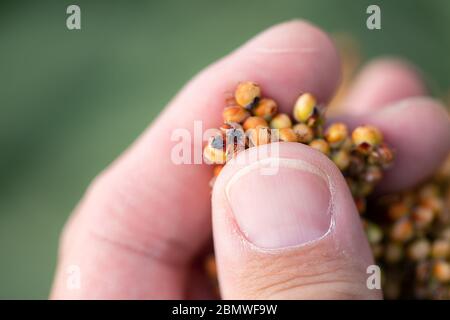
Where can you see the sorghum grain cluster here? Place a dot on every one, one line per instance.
(411, 239)
(251, 120)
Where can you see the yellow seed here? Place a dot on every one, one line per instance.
(214, 155)
(235, 114)
(287, 135)
(441, 271)
(336, 133)
(304, 107)
(321, 145)
(253, 122)
(247, 93)
(342, 159)
(305, 134)
(280, 121)
(266, 108)
(259, 136)
(367, 135)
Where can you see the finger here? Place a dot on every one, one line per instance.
(418, 129)
(148, 217)
(292, 234)
(382, 82)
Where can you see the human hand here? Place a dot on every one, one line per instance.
(145, 223)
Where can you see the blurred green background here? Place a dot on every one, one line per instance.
(71, 101)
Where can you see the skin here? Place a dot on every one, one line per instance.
(140, 230)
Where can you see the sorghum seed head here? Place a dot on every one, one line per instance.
(441, 271)
(402, 230)
(287, 135)
(342, 159)
(305, 134)
(366, 137)
(266, 108)
(418, 250)
(440, 249)
(321, 145)
(304, 107)
(258, 136)
(253, 122)
(336, 133)
(281, 121)
(217, 169)
(247, 94)
(235, 114)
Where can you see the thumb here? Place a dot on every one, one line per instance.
(286, 227)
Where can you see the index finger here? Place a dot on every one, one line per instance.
(154, 215)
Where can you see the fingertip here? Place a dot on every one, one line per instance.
(419, 131)
(289, 58)
(384, 81)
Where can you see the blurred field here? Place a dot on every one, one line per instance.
(71, 101)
